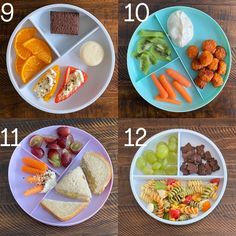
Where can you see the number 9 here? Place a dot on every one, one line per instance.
(7, 13)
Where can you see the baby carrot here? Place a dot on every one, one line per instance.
(167, 86)
(178, 77)
(169, 100)
(34, 163)
(34, 190)
(35, 179)
(182, 91)
(31, 170)
(162, 91)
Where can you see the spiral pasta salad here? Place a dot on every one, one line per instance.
(177, 200)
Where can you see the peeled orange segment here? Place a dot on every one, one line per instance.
(18, 65)
(22, 36)
(31, 67)
(40, 49)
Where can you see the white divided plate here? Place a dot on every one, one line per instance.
(137, 179)
(65, 51)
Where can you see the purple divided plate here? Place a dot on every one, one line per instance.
(31, 205)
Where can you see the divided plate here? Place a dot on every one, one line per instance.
(180, 62)
(31, 205)
(137, 179)
(65, 50)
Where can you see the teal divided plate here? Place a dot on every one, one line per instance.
(205, 27)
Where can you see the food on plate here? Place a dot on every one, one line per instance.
(209, 45)
(97, 171)
(180, 28)
(47, 84)
(91, 53)
(151, 47)
(33, 190)
(197, 160)
(168, 100)
(162, 160)
(64, 22)
(74, 185)
(178, 200)
(74, 79)
(167, 86)
(40, 49)
(162, 92)
(36, 141)
(182, 91)
(30, 68)
(34, 163)
(217, 80)
(62, 210)
(38, 152)
(210, 64)
(31, 170)
(178, 77)
(206, 58)
(19, 64)
(22, 36)
(220, 53)
(192, 51)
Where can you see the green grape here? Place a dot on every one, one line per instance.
(173, 139)
(164, 164)
(172, 146)
(147, 170)
(172, 158)
(159, 172)
(149, 156)
(140, 163)
(171, 170)
(156, 166)
(162, 150)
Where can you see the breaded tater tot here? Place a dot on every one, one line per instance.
(205, 75)
(220, 53)
(209, 45)
(192, 51)
(214, 64)
(196, 65)
(206, 58)
(217, 80)
(222, 68)
(200, 83)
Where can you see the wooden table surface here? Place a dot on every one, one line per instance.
(131, 104)
(134, 221)
(12, 105)
(14, 221)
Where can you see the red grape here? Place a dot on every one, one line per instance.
(38, 152)
(66, 158)
(36, 141)
(63, 131)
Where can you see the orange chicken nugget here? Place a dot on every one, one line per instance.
(196, 65)
(220, 53)
(205, 75)
(217, 80)
(200, 83)
(222, 68)
(214, 64)
(206, 58)
(192, 51)
(209, 45)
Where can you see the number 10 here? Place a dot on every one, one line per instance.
(129, 7)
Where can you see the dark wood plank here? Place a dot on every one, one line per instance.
(13, 220)
(12, 105)
(131, 104)
(134, 221)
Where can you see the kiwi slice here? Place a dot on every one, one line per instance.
(151, 33)
(144, 63)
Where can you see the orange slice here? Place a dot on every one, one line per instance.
(22, 36)
(19, 64)
(30, 68)
(40, 49)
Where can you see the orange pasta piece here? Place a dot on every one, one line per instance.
(178, 77)
(34, 190)
(182, 91)
(167, 86)
(34, 163)
(30, 170)
(162, 91)
(169, 100)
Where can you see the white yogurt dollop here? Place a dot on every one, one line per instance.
(180, 28)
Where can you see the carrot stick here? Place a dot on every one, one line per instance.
(162, 92)
(34, 163)
(167, 86)
(31, 170)
(34, 190)
(182, 91)
(33, 179)
(169, 100)
(178, 77)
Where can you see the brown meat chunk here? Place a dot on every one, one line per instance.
(205, 75)
(196, 65)
(192, 168)
(201, 169)
(200, 83)
(206, 58)
(200, 150)
(207, 156)
(217, 80)
(222, 68)
(214, 64)
(220, 53)
(209, 45)
(188, 147)
(192, 51)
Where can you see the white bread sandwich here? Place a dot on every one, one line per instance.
(63, 211)
(74, 185)
(97, 170)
